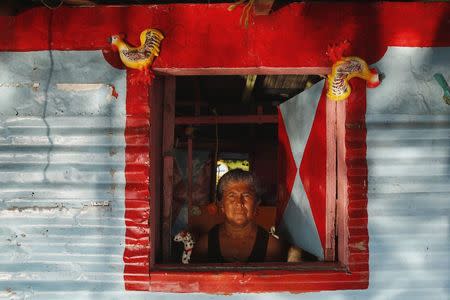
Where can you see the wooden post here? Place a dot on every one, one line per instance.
(331, 192)
(168, 141)
(189, 171)
(342, 200)
(156, 115)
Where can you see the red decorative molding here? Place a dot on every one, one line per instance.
(357, 235)
(137, 209)
(295, 36)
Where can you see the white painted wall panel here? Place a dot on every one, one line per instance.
(408, 156)
(61, 173)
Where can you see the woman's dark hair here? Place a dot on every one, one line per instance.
(237, 175)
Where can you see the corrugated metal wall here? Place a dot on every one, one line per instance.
(61, 173)
(408, 158)
(62, 180)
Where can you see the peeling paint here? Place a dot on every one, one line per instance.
(79, 87)
(33, 85)
(100, 203)
(82, 87)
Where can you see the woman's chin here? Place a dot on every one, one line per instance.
(241, 222)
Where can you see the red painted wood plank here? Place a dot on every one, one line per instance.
(310, 27)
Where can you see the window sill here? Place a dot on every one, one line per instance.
(249, 267)
(254, 278)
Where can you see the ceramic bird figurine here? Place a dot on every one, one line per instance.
(140, 57)
(188, 244)
(344, 70)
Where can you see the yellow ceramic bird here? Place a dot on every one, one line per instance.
(139, 57)
(344, 70)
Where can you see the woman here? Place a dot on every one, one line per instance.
(238, 238)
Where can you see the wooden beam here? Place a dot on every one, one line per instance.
(242, 71)
(263, 7)
(211, 120)
(168, 140)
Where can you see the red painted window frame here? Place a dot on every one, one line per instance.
(351, 270)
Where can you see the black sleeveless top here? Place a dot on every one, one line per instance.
(258, 253)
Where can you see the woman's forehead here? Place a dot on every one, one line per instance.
(239, 185)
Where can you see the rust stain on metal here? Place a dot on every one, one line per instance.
(113, 91)
(79, 87)
(10, 292)
(112, 152)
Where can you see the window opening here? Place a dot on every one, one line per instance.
(221, 124)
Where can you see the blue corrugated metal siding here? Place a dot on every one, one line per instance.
(61, 173)
(62, 181)
(408, 157)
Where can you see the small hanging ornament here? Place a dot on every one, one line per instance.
(245, 16)
(141, 57)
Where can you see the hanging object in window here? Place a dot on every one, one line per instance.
(188, 244)
(302, 172)
(141, 57)
(345, 69)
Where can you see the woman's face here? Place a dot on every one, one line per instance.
(239, 202)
